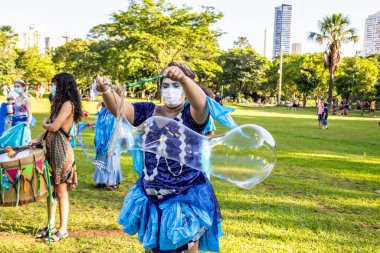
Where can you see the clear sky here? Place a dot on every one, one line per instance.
(241, 18)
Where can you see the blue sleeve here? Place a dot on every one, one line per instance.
(143, 111)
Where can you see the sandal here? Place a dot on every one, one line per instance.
(44, 232)
(100, 186)
(59, 236)
(113, 187)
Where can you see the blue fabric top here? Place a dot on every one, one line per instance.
(177, 178)
(103, 130)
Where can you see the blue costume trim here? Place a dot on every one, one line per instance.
(3, 117)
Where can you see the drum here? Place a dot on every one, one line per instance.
(23, 178)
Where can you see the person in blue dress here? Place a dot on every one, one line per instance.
(108, 171)
(19, 133)
(172, 207)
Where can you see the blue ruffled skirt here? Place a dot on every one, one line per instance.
(176, 220)
(108, 170)
(15, 136)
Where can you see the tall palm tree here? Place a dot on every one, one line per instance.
(334, 30)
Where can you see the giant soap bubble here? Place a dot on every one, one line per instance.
(243, 156)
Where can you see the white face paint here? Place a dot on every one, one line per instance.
(172, 94)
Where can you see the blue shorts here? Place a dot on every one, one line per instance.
(324, 122)
(320, 117)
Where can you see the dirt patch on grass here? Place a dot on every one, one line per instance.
(8, 236)
(72, 234)
(97, 233)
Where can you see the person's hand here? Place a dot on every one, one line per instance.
(34, 141)
(102, 83)
(174, 73)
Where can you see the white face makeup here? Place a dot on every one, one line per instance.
(172, 93)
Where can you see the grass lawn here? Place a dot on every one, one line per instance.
(319, 198)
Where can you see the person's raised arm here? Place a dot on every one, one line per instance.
(194, 94)
(61, 118)
(112, 100)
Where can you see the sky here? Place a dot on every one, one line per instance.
(248, 18)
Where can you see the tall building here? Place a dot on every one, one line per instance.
(372, 35)
(282, 24)
(31, 38)
(296, 48)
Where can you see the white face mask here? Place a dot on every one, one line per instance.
(53, 89)
(18, 90)
(172, 96)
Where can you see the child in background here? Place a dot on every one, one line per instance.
(324, 116)
(320, 111)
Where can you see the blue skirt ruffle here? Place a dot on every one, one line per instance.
(18, 135)
(108, 171)
(176, 220)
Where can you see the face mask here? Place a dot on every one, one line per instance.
(18, 90)
(53, 89)
(172, 96)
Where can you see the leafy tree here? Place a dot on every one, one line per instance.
(35, 67)
(334, 30)
(8, 71)
(243, 71)
(81, 58)
(357, 76)
(311, 76)
(242, 43)
(150, 34)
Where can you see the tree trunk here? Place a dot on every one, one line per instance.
(329, 100)
(304, 100)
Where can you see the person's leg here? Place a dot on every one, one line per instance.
(53, 211)
(194, 249)
(63, 198)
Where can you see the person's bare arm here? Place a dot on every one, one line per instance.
(113, 101)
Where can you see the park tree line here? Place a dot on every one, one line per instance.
(139, 42)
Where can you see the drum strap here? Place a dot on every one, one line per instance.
(50, 198)
(38, 175)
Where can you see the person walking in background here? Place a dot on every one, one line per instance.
(372, 108)
(218, 98)
(320, 111)
(295, 105)
(324, 116)
(5, 90)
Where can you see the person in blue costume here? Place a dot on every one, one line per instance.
(108, 171)
(172, 207)
(19, 133)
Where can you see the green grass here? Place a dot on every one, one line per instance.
(319, 198)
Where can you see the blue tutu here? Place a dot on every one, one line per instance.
(176, 220)
(15, 136)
